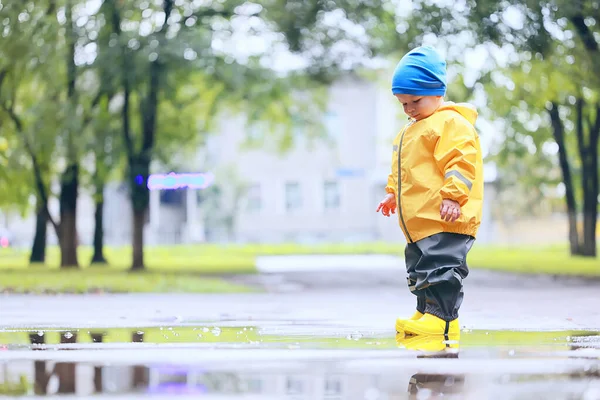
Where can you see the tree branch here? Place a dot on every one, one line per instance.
(51, 7)
(581, 145)
(39, 182)
(115, 19)
(585, 34)
(150, 104)
(595, 131)
(88, 117)
(558, 131)
(168, 9)
(3, 74)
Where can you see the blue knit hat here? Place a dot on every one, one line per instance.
(421, 72)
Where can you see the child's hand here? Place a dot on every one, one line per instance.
(450, 210)
(387, 205)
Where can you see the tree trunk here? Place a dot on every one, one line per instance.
(591, 187)
(139, 217)
(139, 161)
(137, 175)
(68, 219)
(98, 257)
(66, 371)
(590, 202)
(70, 177)
(38, 250)
(98, 370)
(559, 136)
(140, 170)
(589, 155)
(140, 200)
(41, 376)
(141, 376)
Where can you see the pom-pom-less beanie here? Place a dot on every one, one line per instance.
(421, 72)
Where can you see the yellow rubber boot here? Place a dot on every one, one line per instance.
(431, 325)
(400, 322)
(429, 343)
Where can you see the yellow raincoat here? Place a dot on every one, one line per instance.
(439, 157)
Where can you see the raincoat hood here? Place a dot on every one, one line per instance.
(468, 111)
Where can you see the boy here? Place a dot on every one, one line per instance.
(436, 185)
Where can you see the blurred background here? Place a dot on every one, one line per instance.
(187, 128)
(213, 146)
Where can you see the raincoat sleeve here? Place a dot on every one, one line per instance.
(392, 182)
(456, 156)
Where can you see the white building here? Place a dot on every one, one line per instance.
(322, 191)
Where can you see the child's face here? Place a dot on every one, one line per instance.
(419, 107)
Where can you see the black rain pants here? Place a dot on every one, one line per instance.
(436, 267)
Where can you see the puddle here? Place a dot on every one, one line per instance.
(306, 336)
(297, 361)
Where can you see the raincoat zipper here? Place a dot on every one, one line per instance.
(400, 182)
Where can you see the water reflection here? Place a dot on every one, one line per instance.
(299, 379)
(316, 380)
(424, 385)
(427, 386)
(62, 375)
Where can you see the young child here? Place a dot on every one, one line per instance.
(436, 185)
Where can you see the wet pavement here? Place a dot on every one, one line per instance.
(305, 338)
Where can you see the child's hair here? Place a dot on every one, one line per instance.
(421, 72)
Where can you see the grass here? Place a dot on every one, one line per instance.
(551, 260)
(176, 259)
(112, 281)
(201, 268)
(169, 270)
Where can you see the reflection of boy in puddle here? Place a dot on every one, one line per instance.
(431, 386)
(436, 185)
(426, 386)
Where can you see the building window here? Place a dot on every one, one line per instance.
(293, 197)
(253, 199)
(331, 195)
(173, 197)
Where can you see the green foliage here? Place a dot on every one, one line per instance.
(333, 35)
(30, 109)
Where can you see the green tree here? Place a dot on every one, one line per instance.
(40, 99)
(154, 45)
(69, 189)
(29, 110)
